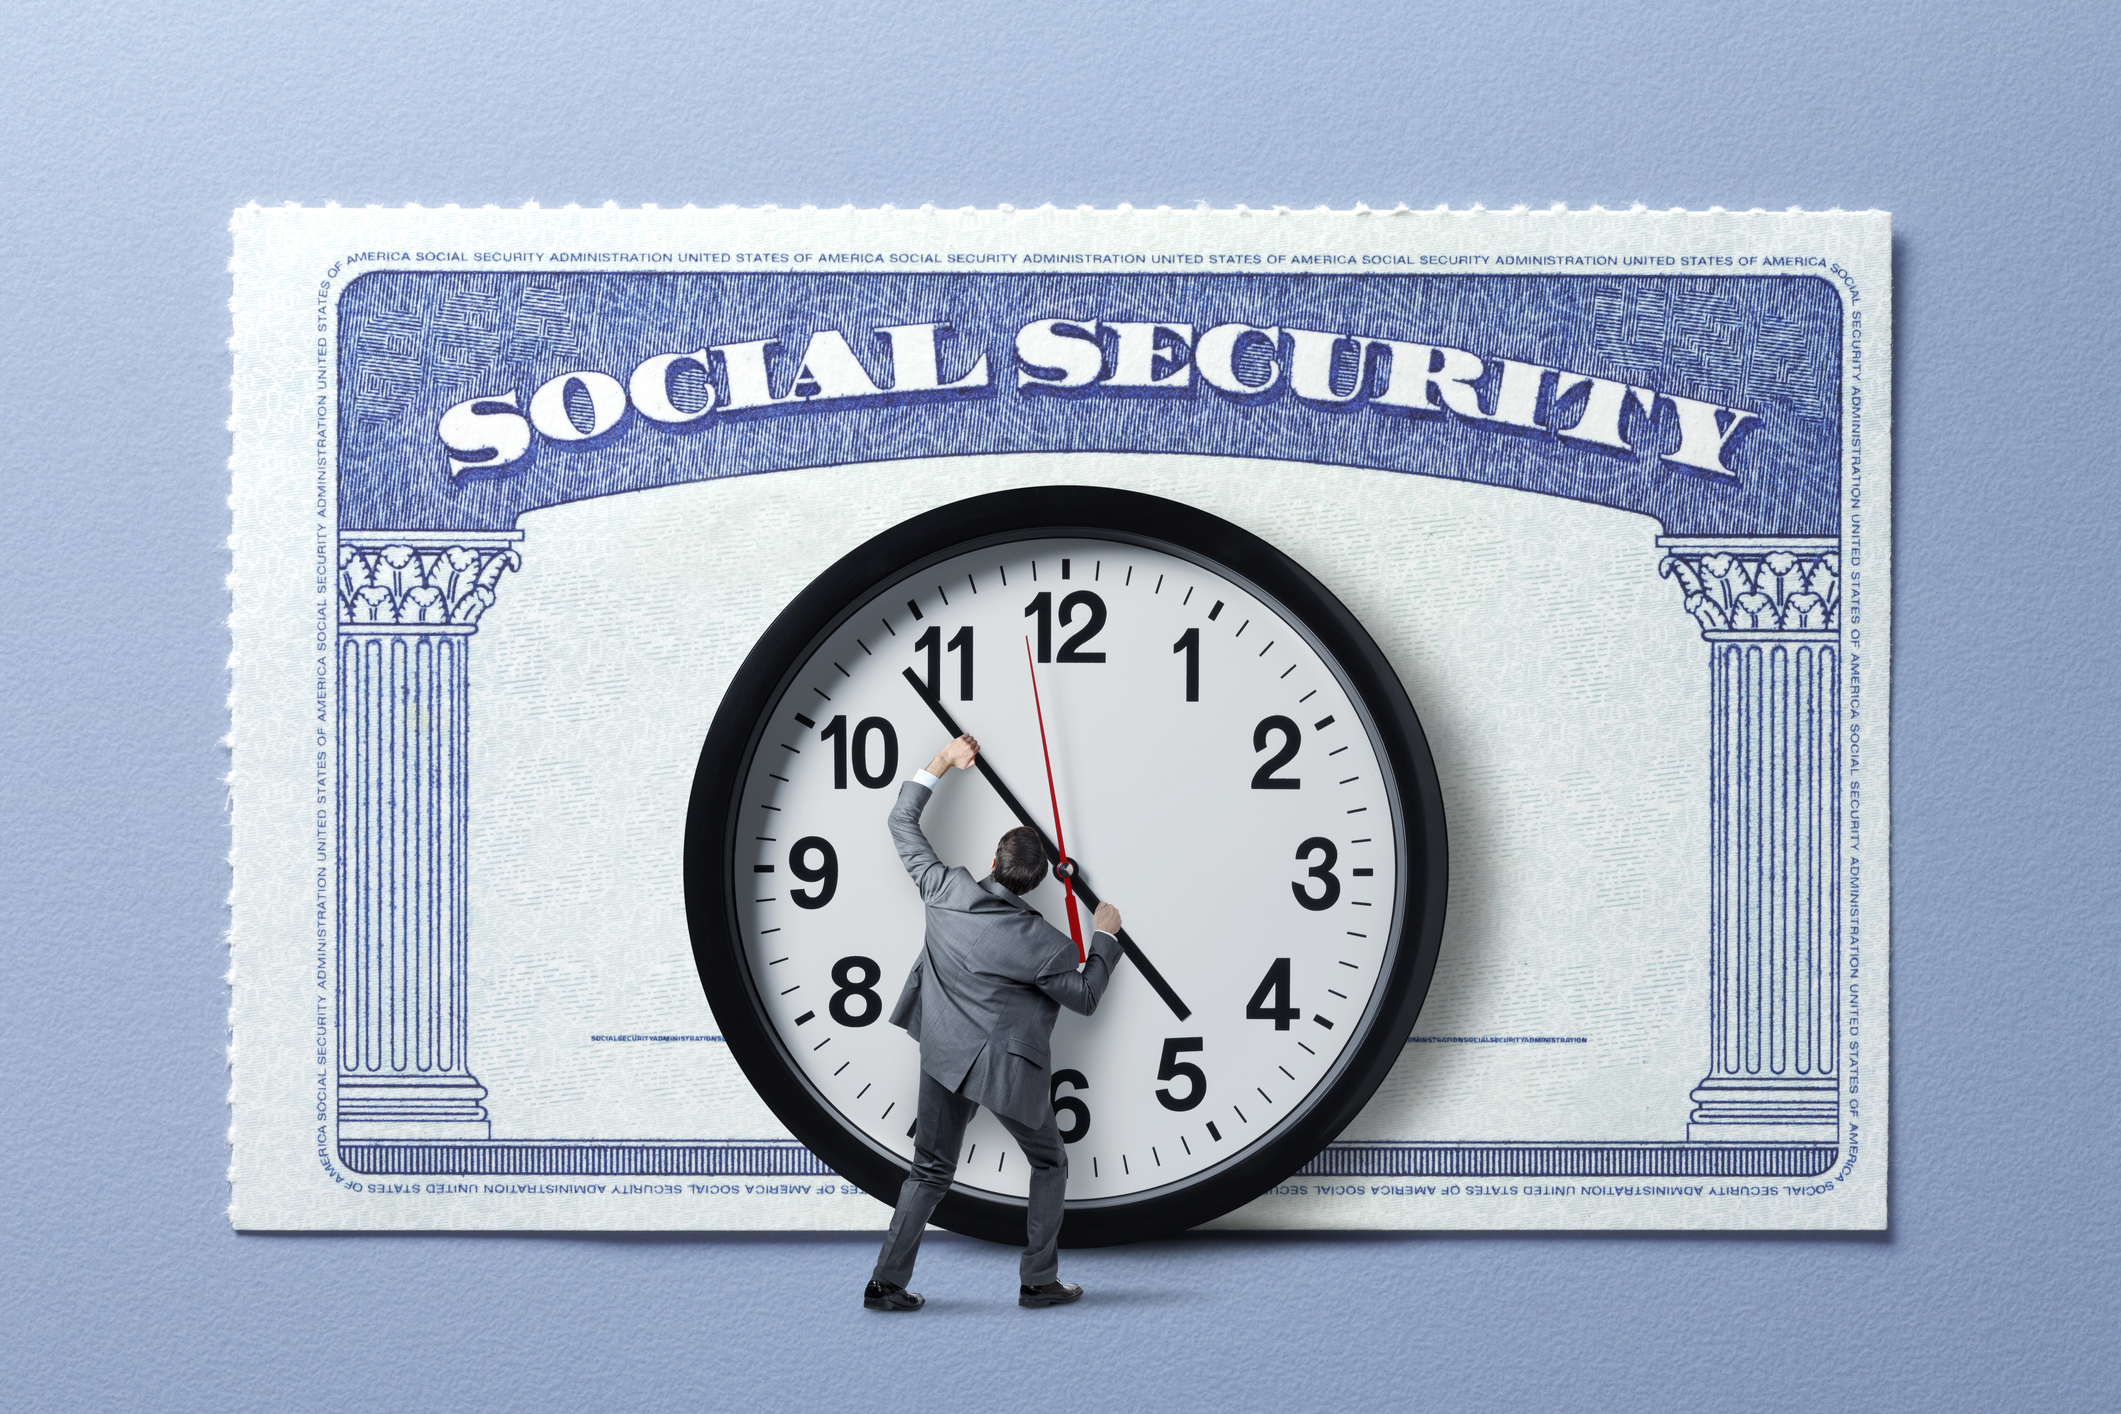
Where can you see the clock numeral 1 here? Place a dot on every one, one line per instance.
(1292, 737)
(836, 732)
(1172, 1068)
(931, 643)
(1322, 871)
(1070, 1105)
(825, 874)
(1189, 644)
(1271, 1001)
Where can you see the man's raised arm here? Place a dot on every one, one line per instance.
(914, 851)
(1080, 991)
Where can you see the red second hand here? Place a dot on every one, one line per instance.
(1075, 928)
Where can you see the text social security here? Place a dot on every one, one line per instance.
(486, 436)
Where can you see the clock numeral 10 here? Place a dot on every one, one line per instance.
(836, 732)
(1070, 1105)
(1271, 1001)
(1172, 1068)
(1041, 608)
(931, 643)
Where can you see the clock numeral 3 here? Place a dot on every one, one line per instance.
(1292, 737)
(1271, 1001)
(1070, 1105)
(825, 874)
(1172, 1068)
(1322, 871)
(836, 732)
(1041, 608)
(843, 973)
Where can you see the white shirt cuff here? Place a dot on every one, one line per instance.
(922, 778)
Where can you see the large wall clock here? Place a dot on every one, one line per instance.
(1237, 768)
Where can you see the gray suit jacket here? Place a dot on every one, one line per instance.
(984, 995)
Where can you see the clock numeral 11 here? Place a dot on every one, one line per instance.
(931, 643)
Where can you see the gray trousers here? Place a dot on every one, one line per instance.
(938, 1134)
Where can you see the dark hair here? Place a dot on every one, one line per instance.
(1020, 860)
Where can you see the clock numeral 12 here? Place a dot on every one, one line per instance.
(1271, 1001)
(1041, 608)
(1172, 1068)
(1070, 1105)
(836, 732)
(931, 643)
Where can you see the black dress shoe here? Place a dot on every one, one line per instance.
(888, 1296)
(1053, 1293)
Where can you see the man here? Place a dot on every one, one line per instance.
(982, 1000)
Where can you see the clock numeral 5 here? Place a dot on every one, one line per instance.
(836, 732)
(1172, 1068)
(1322, 871)
(1291, 738)
(1271, 1001)
(825, 873)
(1070, 1106)
(1041, 608)
(931, 643)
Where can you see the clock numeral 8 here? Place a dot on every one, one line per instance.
(1322, 871)
(825, 874)
(1172, 1068)
(843, 973)
(1070, 1106)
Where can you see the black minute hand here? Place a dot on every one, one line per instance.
(1082, 885)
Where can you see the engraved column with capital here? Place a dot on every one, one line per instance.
(1771, 612)
(409, 602)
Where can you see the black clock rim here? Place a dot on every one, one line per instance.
(826, 603)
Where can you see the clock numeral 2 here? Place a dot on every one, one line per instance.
(825, 874)
(836, 732)
(931, 643)
(1172, 1068)
(1189, 644)
(1292, 737)
(1322, 871)
(1070, 1105)
(1271, 1001)
(1041, 608)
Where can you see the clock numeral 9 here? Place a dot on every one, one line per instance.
(1070, 1106)
(825, 873)
(931, 643)
(1172, 1068)
(836, 732)
(1041, 608)
(1271, 1001)
(1322, 871)
(843, 973)
(1292, 737)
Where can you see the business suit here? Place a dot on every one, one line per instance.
(982, 1000)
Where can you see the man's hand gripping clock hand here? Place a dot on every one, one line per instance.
(958, 751)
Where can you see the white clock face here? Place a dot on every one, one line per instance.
(1217, 782)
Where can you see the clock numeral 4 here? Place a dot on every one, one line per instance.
(931, 643)
(836, 732)
(1077, 1111)
(1041, 608)
(1172, 1068)
(825, 873)
(856, 977)
(1292, 737)
(1271, 1001)
(1329, 892)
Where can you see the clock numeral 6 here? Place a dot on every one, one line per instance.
(1322, 871)
(836, 732)
(1292, 737)
(1271, 1001)
(844, 973)
(1172, 1068)
(825, 873)
(1070, 1105)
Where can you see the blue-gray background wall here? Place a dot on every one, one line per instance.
(129, 133)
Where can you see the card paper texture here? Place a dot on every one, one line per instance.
(1610, 489)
